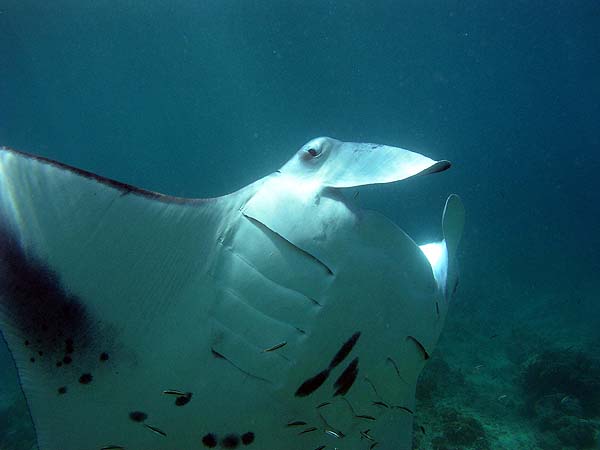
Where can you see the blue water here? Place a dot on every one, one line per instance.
(200, 98)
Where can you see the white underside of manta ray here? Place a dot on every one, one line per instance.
(277, 317)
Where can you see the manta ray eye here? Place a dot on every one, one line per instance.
(313, 152)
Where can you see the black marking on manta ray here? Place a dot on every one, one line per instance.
(69, 345)
(138, 416)
(262, 226)
(419, 346)
(230, 441)
(440, 166)
(183, 399)
(210, 440)
(86, 378)
(248, 438)
(347, 378)
(40, 306)
(124, 188)
(312, 384)
(218, 355)
(344, 350)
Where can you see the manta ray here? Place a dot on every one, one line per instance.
(281, 316)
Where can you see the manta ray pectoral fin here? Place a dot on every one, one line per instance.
(453, 222)
(100, 285)
(442, 255)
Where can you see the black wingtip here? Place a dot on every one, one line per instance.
(439, 166)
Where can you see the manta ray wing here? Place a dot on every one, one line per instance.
(142, 321)
(106, 294)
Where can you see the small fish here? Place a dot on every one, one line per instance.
(378, 403)
(394, 364)
(403, 408)
(361, 416)
(375, 444)
(336, 434)
(174, 392)
(502, 397)
(355, 196)
(296, 423)
(320, 405)
(308, 430)
(275, 347)
(422, 428)
(493, 336)
(420, 346)
(365, 434)
(479, 366)
(320, 447)
(155, 430)
(216, 354)
(564, 399)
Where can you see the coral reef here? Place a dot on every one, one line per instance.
(565, 372)
(458, 431)
(462, 431)
(438, 380)
(563, 395)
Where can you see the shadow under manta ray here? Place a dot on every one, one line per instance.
(276, 317)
